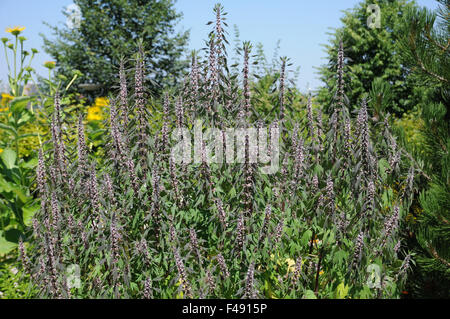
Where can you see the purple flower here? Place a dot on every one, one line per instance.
(123, 94)
(147, 289)
(81, 147)
(279, 231)
(282, 88)
(179, 110)
(194, 243)
(223, 266)
(210, 281)
(250, 292)
(330, 194)
(265, 226)
(182, 272)
(310, 118)
(358, 250)
(114, 237)
(24, 258)
(221, 211)
(40, 176)
(240, 232)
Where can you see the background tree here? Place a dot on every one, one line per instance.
(109, 29)
(371, 53)
(425, 52)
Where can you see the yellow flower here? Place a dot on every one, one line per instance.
(101, 101)
(49, 64)
(94, 113)
(5, 99)
(321, 272)
(1, 150)
(16, 30)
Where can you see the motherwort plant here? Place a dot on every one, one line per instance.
(145, 225)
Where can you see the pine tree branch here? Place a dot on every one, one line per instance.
(428, 28)
(424, 69)
(444, 220)
(435, 255)
(440, 46)
(417, 165)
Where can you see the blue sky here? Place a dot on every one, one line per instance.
(301, 25)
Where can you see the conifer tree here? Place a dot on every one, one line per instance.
(425, 51)
(372, 57)
(110, 29)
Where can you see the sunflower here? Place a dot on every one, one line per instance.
(94, 113)
(15, 31)
(49, 64)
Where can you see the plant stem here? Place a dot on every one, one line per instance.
(6, 58)
(15, 67)
(316, 288)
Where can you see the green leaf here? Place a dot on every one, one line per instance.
(9, 157)
(383, 166)
(12, 235)
(5, 186)
(8, 128)
(6, 246)
(385, 199)
(27, 135)
(232, 192)
(31, 164)
(9, 240)
(339, 257)
(306, 237)
(365, 293)
(28, 213)
(24, 118)
(309, 294)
